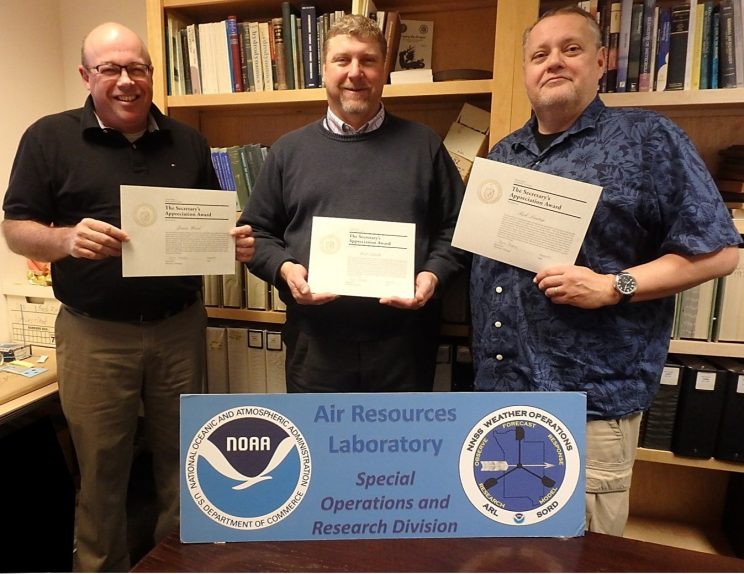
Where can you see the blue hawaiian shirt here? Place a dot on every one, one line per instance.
(657, 198)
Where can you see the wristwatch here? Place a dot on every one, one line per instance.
(626, 285)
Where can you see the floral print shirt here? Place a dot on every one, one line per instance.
(657, 198)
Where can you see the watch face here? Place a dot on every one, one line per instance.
(625, 283)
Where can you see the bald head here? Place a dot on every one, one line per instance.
(108, 36)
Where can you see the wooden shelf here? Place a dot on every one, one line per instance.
(713, 349)
(707, 537)
(253, 315)
(666, 457)
(289, 98)
(677, 99)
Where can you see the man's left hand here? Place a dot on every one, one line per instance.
(426, 284)
(245, 243)
(577, 286)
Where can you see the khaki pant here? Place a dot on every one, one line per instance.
(610, 453)
(106, 369)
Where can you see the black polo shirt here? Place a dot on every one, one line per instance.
(68, 168)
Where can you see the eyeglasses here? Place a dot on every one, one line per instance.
(135, 70)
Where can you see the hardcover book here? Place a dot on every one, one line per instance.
(680, 21)
(309, 28)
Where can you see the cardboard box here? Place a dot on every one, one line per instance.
(467, 138)
(32, 319)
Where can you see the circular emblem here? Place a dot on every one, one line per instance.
(248, 468)
(490, 191)
(330, 244)
(145, 214)
(519, 465)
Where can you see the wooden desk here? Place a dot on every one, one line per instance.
(591, 553)
(20, 394)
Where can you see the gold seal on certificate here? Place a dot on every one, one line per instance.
(177, 231)
(522, 217)
(145, 214)
(362, 258)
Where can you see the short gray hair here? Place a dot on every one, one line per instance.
(596, 32)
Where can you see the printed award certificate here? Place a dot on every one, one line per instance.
(177, 231)
(362, 258)
(523, 217)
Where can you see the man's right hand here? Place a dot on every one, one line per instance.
(295, 276)
(94, 239)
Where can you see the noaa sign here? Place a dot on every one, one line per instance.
(325, 466)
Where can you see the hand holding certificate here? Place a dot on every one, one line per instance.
(362, 258)
(175, 231)
(523, 217)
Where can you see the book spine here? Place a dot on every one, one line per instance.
(235, 68)
(246, 58)
(678, 47)
(691, 44)
(256, 51)
(309, 45)
(634, 50)
(715, 47)
(287, 38)
(739, 41)
(623, 47)
(662, 51)
(612, 52)
(727, 57)
(706, 43)
(264, 36)
(193, 48)
(188, 89)
(281, 63)
(647, 36)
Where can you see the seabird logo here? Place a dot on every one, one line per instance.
(248, 468)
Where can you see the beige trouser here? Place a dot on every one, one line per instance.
(610, 453)
(104, 369)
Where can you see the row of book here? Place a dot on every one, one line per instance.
(237, 168)
(698, 44)
(712, 311)
(241, 290)
(281, 53)
(730, 175)
(698, 409)
(241, 360)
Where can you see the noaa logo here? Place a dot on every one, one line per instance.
(145, 215)
(490, 191)
(519, 465)
(248, 468)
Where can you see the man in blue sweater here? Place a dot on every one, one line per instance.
(357, 162)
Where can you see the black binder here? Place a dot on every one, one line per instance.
(730, 441)
(659, 418)
(699, 410)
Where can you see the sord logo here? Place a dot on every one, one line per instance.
(248, 468)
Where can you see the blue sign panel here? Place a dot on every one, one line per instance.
(404, 465)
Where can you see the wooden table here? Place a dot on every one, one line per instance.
(19, 394)
(590, 553)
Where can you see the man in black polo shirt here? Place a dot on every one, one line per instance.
(119, 339)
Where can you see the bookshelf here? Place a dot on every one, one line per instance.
(481, 34)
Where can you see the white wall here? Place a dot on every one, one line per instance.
(41, 42)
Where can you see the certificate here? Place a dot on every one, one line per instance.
(362, 258)
(177, 231)
(523, 217)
